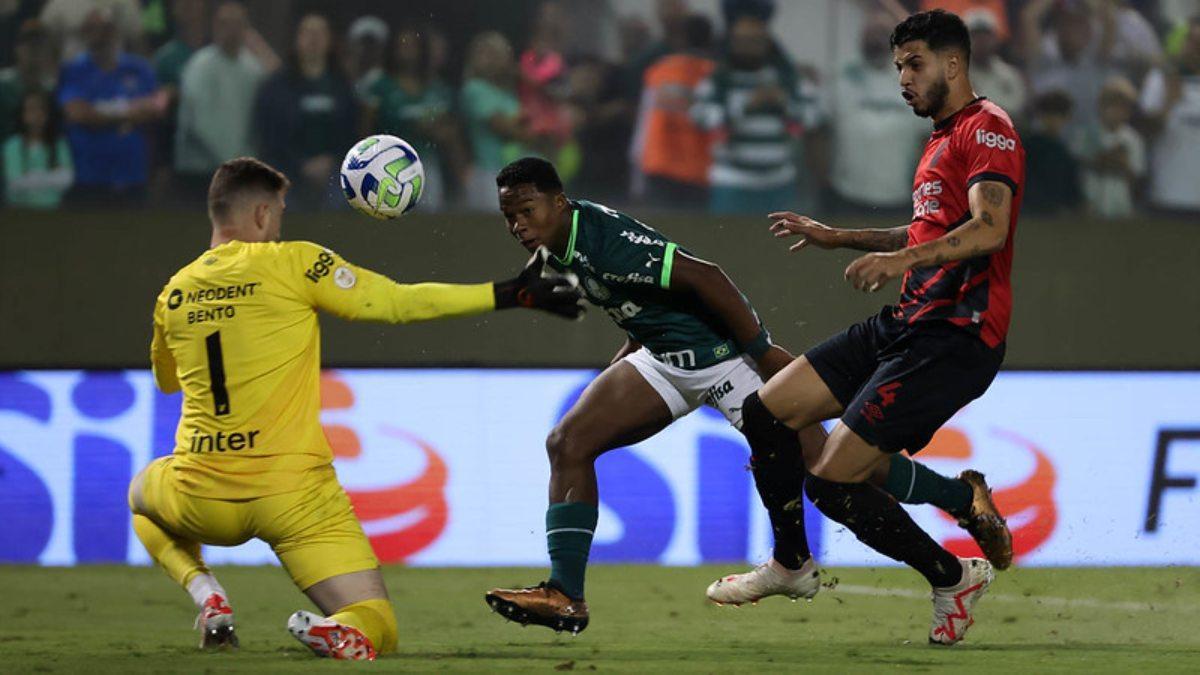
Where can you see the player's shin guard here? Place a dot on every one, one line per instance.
(375, 618)
(570, 527)
(179, 557)
(881, 523)
(778, 465)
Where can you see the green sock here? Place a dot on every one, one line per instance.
(913, 483)
(569, 530)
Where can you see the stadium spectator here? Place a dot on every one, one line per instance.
(108, 96)
(876, 139)
(366, 42)
(67, 22)
(992, 76)
(1069, 59)
(414, 104)
(755, 107)
(1170, 100)
(543, 74)
(602, 122)
(36, 67)
(190, 21)
(671, 152)
(37, 160)
(672, 39)
(191, 33)
(216, 99)
(1114, 156)
(1052, 171)
(305, 116)
(492, 113)
(1133, 46)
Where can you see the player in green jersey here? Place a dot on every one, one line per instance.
(690, 333)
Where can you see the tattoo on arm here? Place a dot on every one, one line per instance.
(986, 217)
(892, 239)
(992, 194)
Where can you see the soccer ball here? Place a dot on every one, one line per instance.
(382, 176)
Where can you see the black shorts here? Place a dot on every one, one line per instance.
(898, 384)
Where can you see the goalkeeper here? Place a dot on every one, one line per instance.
(236, 330)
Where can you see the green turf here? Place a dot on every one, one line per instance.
(648, 619)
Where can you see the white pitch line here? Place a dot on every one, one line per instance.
(1045, 600)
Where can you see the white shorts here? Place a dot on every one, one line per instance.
(723, 386)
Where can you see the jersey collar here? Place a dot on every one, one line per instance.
(570, 254)
(952, 118)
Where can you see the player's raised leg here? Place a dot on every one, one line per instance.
(837, 487)
(618, 408)
(180, 558)
(799, 394)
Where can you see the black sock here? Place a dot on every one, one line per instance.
(879, 522)
(778, 467)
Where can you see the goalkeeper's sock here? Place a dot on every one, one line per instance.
(914, 483)
(202, 585)
(569, 530)
(375, 618)
(180, 558)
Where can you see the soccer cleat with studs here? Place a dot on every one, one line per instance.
(953, 605)
(328, 638)
(542, 605)
(215, 622)
(769, 578)
(985, 524)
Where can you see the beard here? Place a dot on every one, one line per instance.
(938, 93)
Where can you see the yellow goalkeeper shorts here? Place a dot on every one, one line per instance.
(313, 531)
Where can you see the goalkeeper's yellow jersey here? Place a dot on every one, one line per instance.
(237, 331)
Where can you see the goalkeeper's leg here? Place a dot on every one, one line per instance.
(323, 548)
(180, 557)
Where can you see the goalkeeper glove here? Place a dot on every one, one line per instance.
(540, 287)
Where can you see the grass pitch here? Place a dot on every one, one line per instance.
(644, 618)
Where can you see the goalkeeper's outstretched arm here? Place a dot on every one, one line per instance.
(359, 294)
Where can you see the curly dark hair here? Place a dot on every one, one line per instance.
(937, 28)
(535, 170)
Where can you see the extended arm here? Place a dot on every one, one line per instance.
(986, 232)
(359, 294)
(789, 224)
(716, 290)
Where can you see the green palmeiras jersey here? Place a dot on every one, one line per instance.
(624, 267)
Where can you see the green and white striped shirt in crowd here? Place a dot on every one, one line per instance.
(757, 149)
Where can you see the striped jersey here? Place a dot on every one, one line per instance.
(755, 146)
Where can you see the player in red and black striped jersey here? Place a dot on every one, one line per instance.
(897, 377)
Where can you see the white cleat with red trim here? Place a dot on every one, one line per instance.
(769, 578)
(952, 605)
(215, 622)
(326, 637)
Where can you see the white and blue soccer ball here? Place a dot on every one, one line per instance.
(382, 176)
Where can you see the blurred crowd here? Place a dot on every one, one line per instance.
(135, 102)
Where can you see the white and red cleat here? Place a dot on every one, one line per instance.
(326, 637)
(952, 605)
(769, 578)
(215, 622)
